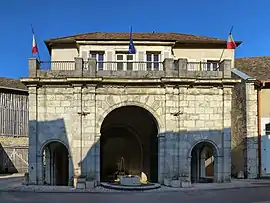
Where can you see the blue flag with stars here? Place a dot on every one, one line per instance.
(131, 48)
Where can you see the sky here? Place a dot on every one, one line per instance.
(56, 18)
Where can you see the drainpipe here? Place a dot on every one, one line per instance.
(259, 131)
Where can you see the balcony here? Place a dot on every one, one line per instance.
(119, 69)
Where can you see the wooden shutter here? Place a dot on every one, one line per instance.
(141, 61)
(109, 58)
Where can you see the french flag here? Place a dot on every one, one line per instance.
(34, 46)
(230, 42)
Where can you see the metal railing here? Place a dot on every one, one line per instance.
(57, 65)
(129, 66)
(202, 66)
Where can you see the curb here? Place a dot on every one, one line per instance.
(121, 191)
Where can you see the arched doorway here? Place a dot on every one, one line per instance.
(55, 164)
(204, 163)
(128, 144)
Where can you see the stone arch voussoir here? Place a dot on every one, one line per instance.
(212, 143)
(102, 115)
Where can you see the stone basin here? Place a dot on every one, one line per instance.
(130, 180)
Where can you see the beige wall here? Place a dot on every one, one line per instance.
(204, 54)
(265, 103)
(68, 54)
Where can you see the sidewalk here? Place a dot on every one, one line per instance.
(18, 187)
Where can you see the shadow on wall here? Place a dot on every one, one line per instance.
(53, 154)
(194, 155)
(245, 157)
(6, 164)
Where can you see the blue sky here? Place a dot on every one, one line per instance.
(55, 18)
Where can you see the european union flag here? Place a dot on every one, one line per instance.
(131, 48)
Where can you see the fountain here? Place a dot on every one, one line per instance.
(125, 181)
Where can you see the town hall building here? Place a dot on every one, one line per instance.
(164, 111)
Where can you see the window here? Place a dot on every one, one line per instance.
(153, 61)
(125, 61)
(267, 129)
(99, 56)
(212, 65)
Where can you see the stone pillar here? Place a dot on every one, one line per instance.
(97, 158)
(182, 68)
(78, 66)
(226, 142)
(226, 67)
(70, 171)
(251, 160)
(161, 157)
(48, 167)
(40, 170)
(168, 65)
(33, 131)
(33, 66)
(92, 67)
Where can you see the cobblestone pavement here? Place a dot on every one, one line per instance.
(242, 195)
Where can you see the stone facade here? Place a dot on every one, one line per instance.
(187, 112)
(244, 129)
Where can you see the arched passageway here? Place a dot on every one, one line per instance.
(128, 144)
(204, 162)
(55, 164)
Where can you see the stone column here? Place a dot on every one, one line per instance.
(48, 162)
(33, 133)
(251, 160)
(97, 157)
(40, 170)
(161, 157)
(226, 142)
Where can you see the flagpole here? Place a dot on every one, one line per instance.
(36, 41)
(225, 48)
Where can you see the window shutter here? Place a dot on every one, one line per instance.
(141, 60)
(109, 58)
(85, 55)
(166, 55)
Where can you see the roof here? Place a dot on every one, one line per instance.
(173, 37)
(11, 84)
(255, 67)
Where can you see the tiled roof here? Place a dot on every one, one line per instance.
(135, 36)
(12, 83)
(255, 67)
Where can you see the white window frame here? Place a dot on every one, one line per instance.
(97, 58)
(125, 60)
(152, 59)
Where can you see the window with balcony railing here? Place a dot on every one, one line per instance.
(99, 56)
(153, 60)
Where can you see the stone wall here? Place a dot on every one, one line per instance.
(13, 154)
(244, 130)
(185, 117)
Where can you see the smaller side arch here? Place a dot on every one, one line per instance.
(204, 141)
(44, 144)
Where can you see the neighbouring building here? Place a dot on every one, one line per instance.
(164, 111)
(13, 126)
(251, 117)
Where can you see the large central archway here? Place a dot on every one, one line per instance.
(129, 143)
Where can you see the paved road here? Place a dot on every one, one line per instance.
(244, 195)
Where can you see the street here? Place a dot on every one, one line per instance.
(244, 195)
